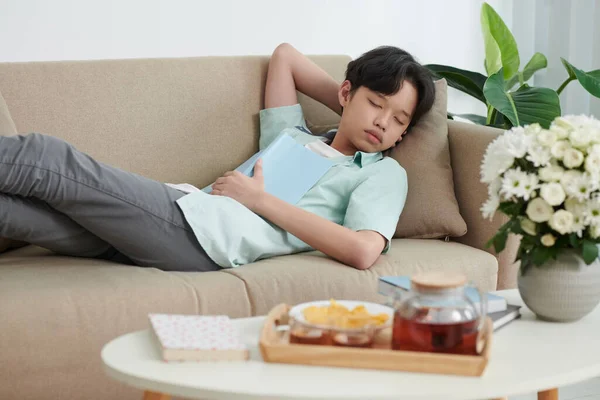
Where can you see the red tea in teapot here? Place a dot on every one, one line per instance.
(418, 335)
(438, 316)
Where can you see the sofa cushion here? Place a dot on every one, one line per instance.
(431, 209)
(61, 311)
(312, 276)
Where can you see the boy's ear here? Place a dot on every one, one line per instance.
(344, 93)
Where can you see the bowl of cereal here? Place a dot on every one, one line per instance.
(338, 322)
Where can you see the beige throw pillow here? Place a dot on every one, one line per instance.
(7, 128)
(431, 209)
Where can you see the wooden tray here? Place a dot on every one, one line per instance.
(275, 348)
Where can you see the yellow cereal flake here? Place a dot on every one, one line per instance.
(340, 316)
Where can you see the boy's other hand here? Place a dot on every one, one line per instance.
(240, 187)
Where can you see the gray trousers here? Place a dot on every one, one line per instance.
(56, 197)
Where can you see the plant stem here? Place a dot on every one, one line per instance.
(493, 116)
(564, 85)
(490, 109)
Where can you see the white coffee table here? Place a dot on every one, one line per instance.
(526, 356)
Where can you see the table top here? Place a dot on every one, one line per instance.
(527, 355)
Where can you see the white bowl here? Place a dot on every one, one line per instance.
(297, 312)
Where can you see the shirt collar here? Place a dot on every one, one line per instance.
(363, 159)
(360, 158)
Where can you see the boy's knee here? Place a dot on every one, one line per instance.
(35, 147)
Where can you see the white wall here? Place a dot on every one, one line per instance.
(567, 29)
(435, 31)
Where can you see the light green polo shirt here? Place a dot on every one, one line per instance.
(362, 192)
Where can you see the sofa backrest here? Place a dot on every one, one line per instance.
(173, 120)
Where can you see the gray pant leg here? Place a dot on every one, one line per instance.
(33, 221)
(136, 215)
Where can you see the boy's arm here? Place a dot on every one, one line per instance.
(356, 249)
(290, 70)
(359, 249)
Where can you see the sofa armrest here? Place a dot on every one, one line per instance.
(468, 143)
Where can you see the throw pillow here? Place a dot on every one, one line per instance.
(431, 209)
(7, 128)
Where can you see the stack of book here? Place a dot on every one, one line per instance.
(498, 309)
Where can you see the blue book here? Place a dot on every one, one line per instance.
(389, 285)
(290, 169)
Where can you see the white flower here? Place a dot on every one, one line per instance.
(575, 206)
(553, 193)
(595, 148)
(558, 149)
(568, 177)
(564, 123)
(580, 187)
(548, 240)
(578, 225)
(547, 138)
(532, 129)
(488, 209)
(539, 155)
(595, 231)
(592, 163)
(561, 133)
(561, 221)
(595, 134)
(538, 210)
(529, 226)
(515, 142)
(494, 187)
(551, 173)
(580, 137)
(592, 212)
(495, 161)
(573, 158)
(518, 183)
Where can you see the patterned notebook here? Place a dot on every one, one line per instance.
(197, 338)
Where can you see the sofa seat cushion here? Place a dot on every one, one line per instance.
(61, 312)
(313, 276)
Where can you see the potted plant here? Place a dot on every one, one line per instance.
(547, 181)
(510, 101)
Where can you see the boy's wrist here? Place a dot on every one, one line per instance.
(260, 202)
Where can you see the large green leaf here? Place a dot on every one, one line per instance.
(524, 106)
(538, 61)
(468, 82)
(589, 80)
(500, 46)
(590, 251)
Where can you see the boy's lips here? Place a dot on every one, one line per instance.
(374, 136)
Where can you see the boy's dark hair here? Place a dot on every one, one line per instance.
(385, 68)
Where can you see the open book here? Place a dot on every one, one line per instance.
(290, 169)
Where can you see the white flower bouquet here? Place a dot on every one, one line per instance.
(547, 181)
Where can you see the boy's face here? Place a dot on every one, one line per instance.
(372, 122)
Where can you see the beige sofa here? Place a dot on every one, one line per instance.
(181, 120)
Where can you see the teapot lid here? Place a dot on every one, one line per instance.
(438, 280)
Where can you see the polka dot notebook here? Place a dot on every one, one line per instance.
(197, 338)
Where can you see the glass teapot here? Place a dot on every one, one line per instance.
(436, 315)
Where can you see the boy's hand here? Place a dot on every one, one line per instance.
(240, 187)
